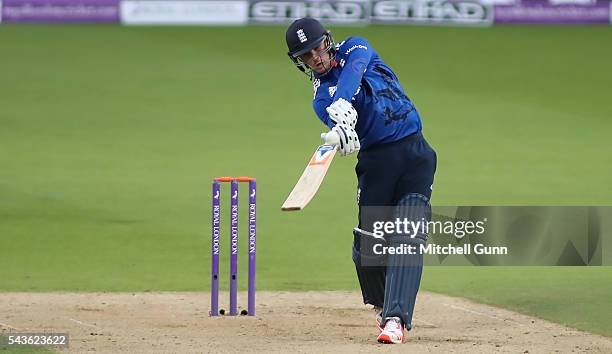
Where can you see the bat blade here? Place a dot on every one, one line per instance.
(311, 179)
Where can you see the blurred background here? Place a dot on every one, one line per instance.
(115, 116)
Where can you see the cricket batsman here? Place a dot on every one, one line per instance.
(360, 99)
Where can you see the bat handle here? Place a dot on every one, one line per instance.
(330, 138)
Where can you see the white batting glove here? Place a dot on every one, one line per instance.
(342, 112)
(345, 137)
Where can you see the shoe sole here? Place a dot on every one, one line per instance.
(386, 339)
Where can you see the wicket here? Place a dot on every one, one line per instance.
(216, 248)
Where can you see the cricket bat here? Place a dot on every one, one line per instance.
(312, 177)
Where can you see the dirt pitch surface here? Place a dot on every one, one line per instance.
(307, 322)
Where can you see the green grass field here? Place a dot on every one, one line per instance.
(109, 137)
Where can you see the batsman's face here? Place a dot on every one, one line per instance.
(318, 59)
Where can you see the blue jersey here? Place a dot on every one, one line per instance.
(385, 113)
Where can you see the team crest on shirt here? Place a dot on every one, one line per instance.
(332, 91)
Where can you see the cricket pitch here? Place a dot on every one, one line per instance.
(301, 322)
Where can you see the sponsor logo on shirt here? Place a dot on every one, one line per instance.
(332, 91)
(356, 46)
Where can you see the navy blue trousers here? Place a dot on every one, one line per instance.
(386, 174)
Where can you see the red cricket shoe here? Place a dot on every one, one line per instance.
(393, 333)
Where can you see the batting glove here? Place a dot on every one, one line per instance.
(342, 112)
(345, 137)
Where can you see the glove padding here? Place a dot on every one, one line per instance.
(345, 138)
(342, 112)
